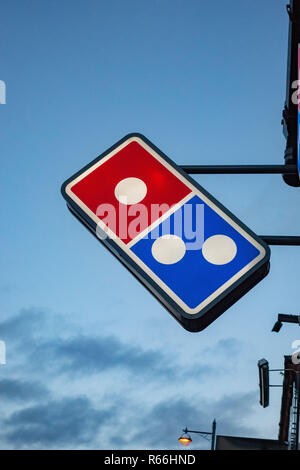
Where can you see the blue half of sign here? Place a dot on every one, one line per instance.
(203, 268)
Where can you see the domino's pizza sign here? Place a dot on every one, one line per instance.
(193, 254)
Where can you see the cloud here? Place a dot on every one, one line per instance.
(98, 354)
(8, 288)
(139, 420)
(29, 332)
(227, 347)
(22, 325)
(55, 424)
(76, 423)
(161, 427)
(89, 355)
(232, 409)
(39, 338)
(18, 390)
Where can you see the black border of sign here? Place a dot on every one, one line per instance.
(208, 314)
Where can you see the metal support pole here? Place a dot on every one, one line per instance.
(282, 317)
(297, 385)
(240, 169)
(213, 435)
(281, 240)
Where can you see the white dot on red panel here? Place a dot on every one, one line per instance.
(130, 191)
(168, 249)
(219, 249)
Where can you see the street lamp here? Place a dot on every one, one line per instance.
(185, 439)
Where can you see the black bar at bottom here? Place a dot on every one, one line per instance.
(240, 169)
(280, 240)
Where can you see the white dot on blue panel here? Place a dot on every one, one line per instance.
(219, 249)
(195, 274)
(168, 249)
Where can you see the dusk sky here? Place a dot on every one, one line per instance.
(93, 360)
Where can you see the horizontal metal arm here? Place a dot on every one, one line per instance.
(281, 240)
(250, 169)
(240, 169)
(284, 318)
(197, 432)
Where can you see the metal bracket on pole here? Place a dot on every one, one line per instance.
(290, 13)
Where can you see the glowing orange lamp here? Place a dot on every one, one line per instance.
(185, 439)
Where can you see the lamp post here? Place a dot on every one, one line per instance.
(185, 439)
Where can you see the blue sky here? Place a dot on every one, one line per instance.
(93, 361)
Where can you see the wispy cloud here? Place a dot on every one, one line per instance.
(89, 355)
(161, 426)
(63, 352)
(23, 325)
(226, 347)
(54, 424)
(19, 390)
(53, 417)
